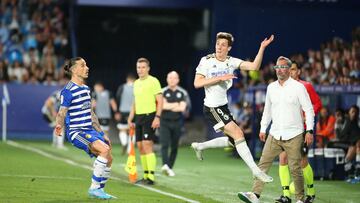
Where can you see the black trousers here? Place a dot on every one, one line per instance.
(170, 132)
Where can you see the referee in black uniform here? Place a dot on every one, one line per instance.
(174, 104)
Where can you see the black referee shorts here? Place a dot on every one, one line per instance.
(143, 130)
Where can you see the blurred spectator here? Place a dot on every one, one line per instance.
(244, 120)
(31, 57)
(103, 104)
(4, 32)
(325, 127)
(348, 137)
(17, 72)
(49, 80)
(4, 77)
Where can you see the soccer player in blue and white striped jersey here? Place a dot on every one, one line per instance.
(81, 126)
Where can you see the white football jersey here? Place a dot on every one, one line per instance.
(209, 66)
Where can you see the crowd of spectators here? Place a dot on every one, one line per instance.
(336, 63)
(33, 41)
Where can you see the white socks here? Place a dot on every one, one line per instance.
(106, 176)
(58, 141)
(214, 143)
(244, 152)
(98, 172)
(123, 136)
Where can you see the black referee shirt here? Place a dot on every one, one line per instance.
(172, 96)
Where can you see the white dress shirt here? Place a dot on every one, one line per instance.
(284, 106)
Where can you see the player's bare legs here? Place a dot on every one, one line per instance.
(233, 130)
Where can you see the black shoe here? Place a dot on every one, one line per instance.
(149, 182)
(283, 199)
(309, 199)
(141, 181)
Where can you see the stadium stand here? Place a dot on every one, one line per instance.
(34, 41)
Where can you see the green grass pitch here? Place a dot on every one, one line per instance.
(27, 176)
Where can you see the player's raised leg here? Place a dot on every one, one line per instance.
(233, 130)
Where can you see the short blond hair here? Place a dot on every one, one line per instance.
(227, 36)
(143, 59)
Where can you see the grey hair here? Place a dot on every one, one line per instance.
(288, 61)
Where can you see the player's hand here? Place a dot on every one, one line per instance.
(156, 123)
(267, 41)
(107, 140)
(309, 138)
(262, 137)
(131, 124)
(58, 130)
(227, 77)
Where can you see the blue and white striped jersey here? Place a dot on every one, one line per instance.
(78, 101)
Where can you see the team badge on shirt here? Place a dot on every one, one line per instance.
(86, 105)
(88, 136)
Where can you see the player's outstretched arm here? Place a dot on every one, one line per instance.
(255, 65)
(201, 81)
(60, 119)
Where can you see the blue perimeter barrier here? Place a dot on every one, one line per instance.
(24, 117)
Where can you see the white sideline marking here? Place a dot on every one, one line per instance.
(71, 162)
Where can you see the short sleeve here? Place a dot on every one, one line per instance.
(201, 68)
(157, 87)
(236, 62)
(65, 98)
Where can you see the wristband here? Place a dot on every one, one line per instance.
(310, 131)
(157, 116)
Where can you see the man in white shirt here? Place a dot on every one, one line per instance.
(215, 74)
(286, 98)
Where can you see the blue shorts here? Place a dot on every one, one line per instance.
(83, 138)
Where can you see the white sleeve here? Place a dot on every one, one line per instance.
(266, 117)
(307, 107)
(202, 67)
(236, 62)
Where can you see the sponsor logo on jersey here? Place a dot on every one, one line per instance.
(88, 136)
(219, 73)
(86, 105)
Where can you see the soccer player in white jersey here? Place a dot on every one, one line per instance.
(215, 74)
(81, 126)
